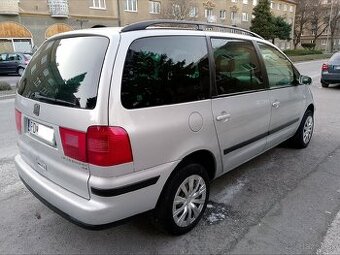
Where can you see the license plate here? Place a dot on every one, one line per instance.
(41, 131)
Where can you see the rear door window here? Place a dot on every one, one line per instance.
(66, 72)
(237, 67)
(165, 70)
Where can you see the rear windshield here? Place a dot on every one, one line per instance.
(65, 72)
(335, 59)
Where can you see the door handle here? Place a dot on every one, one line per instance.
(223, 116)
(276, 104)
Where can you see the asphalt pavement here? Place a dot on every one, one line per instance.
(284, 201)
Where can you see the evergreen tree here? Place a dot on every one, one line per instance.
(282, 29)
(262, 24)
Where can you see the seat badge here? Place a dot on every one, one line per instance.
(36, 109)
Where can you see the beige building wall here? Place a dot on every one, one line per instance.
(227, 12)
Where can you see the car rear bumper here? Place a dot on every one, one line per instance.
(330, 77)
(98, 211)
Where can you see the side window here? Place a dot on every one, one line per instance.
(280, 71)
(165, 70)
(12, 57)
(237, 66)
(3, 57)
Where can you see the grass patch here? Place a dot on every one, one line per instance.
(302, 52)
(4, 86)
(309, 57)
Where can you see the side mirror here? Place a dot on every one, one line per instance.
(306, 80)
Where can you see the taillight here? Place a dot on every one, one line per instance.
(74, 143)
(18, 121)
(325, 67)
(101, 145)
(108, 146)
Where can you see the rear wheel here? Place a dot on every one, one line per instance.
(20, 71)
(304, 133)
(184, 199)
(324, 84)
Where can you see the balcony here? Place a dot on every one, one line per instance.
(58, 8)
(9, 7)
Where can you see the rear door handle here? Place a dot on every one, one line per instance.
(276, 104)
(223, 116)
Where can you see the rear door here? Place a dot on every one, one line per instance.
(287, 96)
(241, 107)
(58, 101)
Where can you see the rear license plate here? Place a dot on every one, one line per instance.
(41, 131)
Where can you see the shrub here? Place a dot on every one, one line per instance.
(308, 46)
(5, 86)
(302, 52)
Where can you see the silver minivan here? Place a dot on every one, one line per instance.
(114, 122)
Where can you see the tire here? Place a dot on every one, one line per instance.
(324, 84)
(304, 133)
(20, 71)
(180, 216)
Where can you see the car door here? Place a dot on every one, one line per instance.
(241, 108)
(12, 62)
(3, 65)
(287, 96)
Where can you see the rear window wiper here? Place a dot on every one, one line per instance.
(37, 95)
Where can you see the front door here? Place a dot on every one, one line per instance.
(241, 107)
(287, 96)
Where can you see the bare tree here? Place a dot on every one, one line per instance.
(180, 9)
(301, 20)
(335, 22)
(318, 20)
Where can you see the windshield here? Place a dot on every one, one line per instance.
(66, 72)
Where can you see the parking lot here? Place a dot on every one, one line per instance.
(280, 202)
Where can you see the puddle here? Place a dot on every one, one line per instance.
(217, 212)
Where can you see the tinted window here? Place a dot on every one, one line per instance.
(280, 71)
(165, 70)
(237, 66)
(66, 72)
(335, 59)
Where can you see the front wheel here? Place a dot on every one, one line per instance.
(20, 71)
(324, 84)
(304, 133)
(184, 199)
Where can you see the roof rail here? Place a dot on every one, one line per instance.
(199, 26)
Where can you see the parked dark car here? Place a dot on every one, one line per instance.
(15, 62)
(330, 72)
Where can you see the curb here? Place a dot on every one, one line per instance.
(9, 96)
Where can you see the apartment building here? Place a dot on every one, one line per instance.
(25, 24)
(228, 12)
(324, 41)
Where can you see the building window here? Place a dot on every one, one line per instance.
(154, 7)
(254, 2)
(208, 13)
(234, 1)
(279, 6)
(285, 7)
(291, 8)
(245, 1)
(272, 5)
(98, 4)
(222, 14)
(323, 42)
(233, 16)
(245, 16)
(193, 13)
(131, 5)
